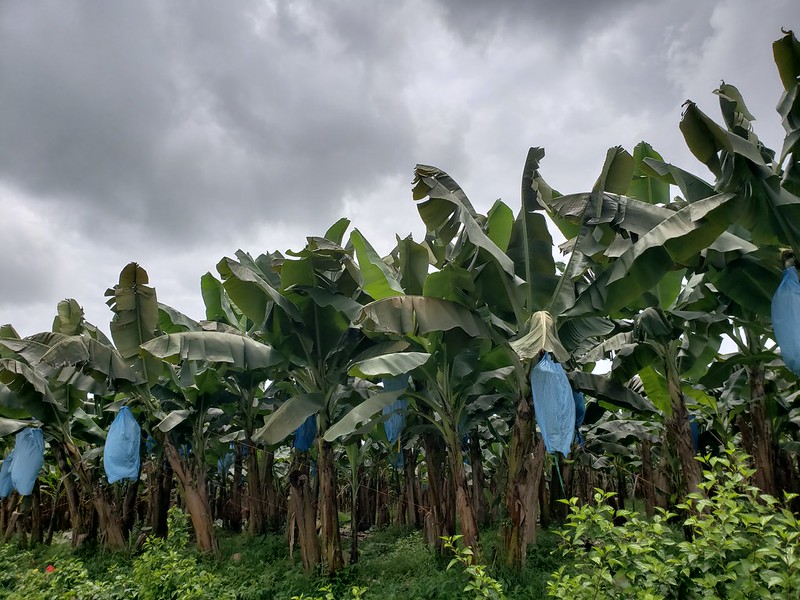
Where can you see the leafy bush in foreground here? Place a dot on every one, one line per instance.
(166, 569)
(742, 544)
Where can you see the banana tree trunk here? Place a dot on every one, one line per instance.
(269, 494)
(233, 508)
(648, 483)
(36, 515)
(256, 522)
(354, 489)
(464, 509)
(535, 470)
(762, 449)
(544, 503)
(73, 498)
(329, 508)
(109, 521)
(129, 507)
(516, 508)
(478, 478)
(195, 495)
(437, 520)
(680, 436)
(678, 428)
(560, 476)
(302, 507)
(410, 481)
(383, 516)
(160, 491)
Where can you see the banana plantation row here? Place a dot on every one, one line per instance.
(401, 388)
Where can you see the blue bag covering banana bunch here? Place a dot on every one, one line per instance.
(554, 405)
(121, 453)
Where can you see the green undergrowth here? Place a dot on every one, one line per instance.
(395, 563)
(728, 541)
(725, 541)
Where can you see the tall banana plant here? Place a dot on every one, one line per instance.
(766, 186)
(459, 359)
(47, 378)
(208, 369)
(136, 321)
(503, 267)
(247, 411)
(634, 254)
(303, 305)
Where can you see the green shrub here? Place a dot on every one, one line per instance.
(168, 569)
(742, 544)
(355, 593)
(68, 580)
(480, 585)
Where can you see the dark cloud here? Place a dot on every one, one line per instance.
(567, 20)
(172, 133)
(169, 117)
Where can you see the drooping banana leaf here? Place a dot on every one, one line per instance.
(389, 365)
(238, 352)
(610, 391)
(85, 355)
(12, 426)
(692, 187)
(288, 417)
(171, 320)
(418, 315)
(361, 413)
(655, 386)
(26, 392)
(447, 209)
(675, 242)
(252, 294)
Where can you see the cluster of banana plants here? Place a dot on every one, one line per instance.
(441, 334)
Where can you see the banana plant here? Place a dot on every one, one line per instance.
(303, 305)
(635, 254)
(247, 412)
(136, 321)
(767, 185)
(460, 358)
(48, 378)
(209, 370)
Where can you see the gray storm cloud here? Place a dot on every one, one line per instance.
(175, 133)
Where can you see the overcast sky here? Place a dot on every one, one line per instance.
(174, 133)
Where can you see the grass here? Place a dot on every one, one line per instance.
(395, 563)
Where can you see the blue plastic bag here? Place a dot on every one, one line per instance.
(694, 427)
(121, 454)
(28, 460)
(6, 486)
(396, 460)
(580, 414)
(305, 434)
(580, 408)
(553, 404)
(393, 426)
(225, 463)
(786, 319)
